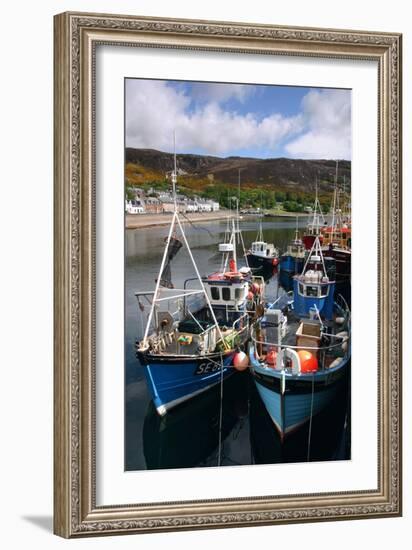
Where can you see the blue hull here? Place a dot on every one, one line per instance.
(172, 381)
(291, 407)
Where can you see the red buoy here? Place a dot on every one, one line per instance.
(271, 358)
(240, 361)
(308, 362)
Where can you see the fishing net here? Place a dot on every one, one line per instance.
(166, 277)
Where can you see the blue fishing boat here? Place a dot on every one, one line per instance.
(292, 260)
(300, 349)
(193, 336)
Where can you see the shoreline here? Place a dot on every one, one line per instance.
(137, 221)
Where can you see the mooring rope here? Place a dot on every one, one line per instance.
(196, 226)
(311, 416)
(219, 457)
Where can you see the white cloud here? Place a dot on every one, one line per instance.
(220, 93)
(155, 110)
(327, 118)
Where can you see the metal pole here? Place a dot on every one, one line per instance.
(156, 292)
(201, 282)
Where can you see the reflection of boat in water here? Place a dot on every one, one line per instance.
(261, 253)
(292, 260)
(327, 439)
(300, 349)
(189, 435)
(266, 272)
(192, 335)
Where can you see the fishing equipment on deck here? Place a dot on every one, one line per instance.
(185, 340)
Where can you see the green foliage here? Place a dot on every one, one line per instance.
(293, 206)
(129, 193)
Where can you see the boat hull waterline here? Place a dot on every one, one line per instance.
(174, 380)
(262, 262)
(291, 403)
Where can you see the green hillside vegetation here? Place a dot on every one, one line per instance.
(252, 195)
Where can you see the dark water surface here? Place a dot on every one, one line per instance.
(188, 436)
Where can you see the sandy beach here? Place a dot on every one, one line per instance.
(135, 221)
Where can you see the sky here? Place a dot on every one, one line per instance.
(238, 119)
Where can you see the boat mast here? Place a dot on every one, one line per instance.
(174, 173)
(157, 288)
(334, 199)
(317, 212)
(315, 251)
(176, 220)
(238, 231)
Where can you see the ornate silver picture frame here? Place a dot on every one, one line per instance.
(76, 37)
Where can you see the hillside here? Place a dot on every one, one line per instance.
(199, 171)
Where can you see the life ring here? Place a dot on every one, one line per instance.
(232, 275)
(288, 353)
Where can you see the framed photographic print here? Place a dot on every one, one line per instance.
(227, 274)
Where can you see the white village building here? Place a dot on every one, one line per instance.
(134, 207)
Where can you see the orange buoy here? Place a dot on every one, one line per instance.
(275, 262)
(308, 362)
(271, 358)
(240, 361)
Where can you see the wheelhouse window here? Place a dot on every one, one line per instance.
(238, 293)
(214, 291)
(226, 294)
(312, 291)
(323, 291)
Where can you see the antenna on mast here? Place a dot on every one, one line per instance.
(174, 173)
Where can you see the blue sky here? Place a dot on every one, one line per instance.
(238, 119)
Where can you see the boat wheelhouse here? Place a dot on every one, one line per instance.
(261, 253)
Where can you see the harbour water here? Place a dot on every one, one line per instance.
(208, 430)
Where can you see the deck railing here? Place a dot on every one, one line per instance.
(322, 352)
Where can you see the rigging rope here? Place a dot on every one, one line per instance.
(219, 457)
(311, 416)
(196, 226)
